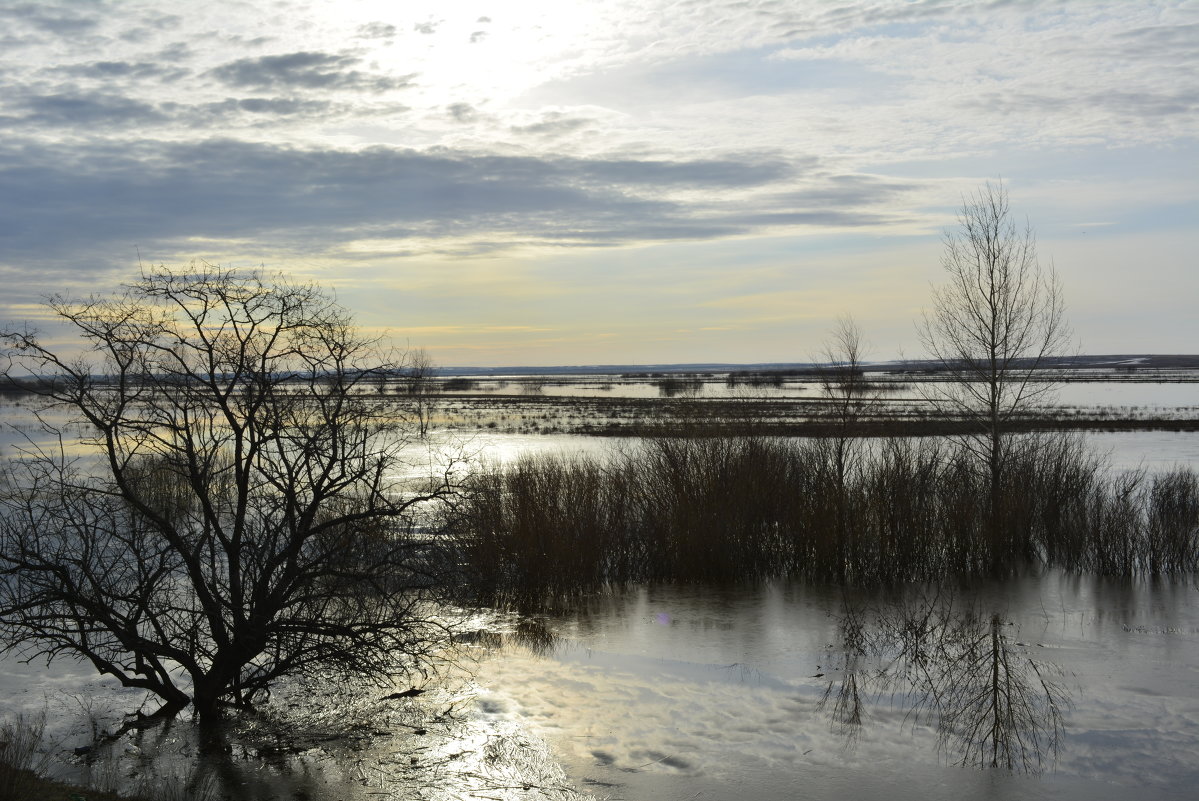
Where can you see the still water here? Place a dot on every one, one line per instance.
(1111, 395)
(684, 693)
(668, 693)
(1123, 450)
(676, 693)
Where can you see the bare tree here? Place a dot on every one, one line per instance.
(994, 324)
(418, 383)
(843, 382)
(244, 519)
(849, 397)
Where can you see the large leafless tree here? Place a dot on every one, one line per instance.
(993, 327)
(239, 509)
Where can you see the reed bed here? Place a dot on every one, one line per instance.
(861, 512)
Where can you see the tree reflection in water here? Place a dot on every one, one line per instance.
(960, 670)
(323, 739)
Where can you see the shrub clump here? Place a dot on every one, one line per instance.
(747, 508)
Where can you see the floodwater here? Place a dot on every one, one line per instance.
(1108, 394)
(316, 739)
(1123, 450)
(1175, 398)
(681, 693)
(671, 693)
(666, 693)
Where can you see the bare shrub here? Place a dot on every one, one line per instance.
(22, 757)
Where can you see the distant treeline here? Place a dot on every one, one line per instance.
(22, 386)
(759, 378)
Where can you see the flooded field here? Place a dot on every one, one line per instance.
(893, 405)
(668, 692)
(476, 409)
(315, 739)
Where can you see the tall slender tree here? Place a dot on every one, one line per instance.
(993, 326)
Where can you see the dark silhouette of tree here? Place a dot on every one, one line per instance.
(418, 383)
(237, 511)
(849, 397)
(993, 326)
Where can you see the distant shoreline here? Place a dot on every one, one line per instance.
(1119, 364)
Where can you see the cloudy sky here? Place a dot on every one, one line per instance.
(618, 181)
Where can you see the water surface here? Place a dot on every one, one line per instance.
(674, 693)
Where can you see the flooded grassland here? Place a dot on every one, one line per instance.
(1072, 686)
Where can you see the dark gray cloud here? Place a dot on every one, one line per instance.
(843, 192)
(1148, 104)
(462, 112)
(304, 70)
(84, 113)
(175, 52)
(64, 204)
(238, 40)
(1157, 40)
(58, 18)
(228, 188)
(1141, 105)
(11, 44)
(820, 217)
(86, 110)
(110, 70)
(148, 24)
(1012, 103)
(273, 106)
(706, 173)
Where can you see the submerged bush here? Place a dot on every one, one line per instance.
(728, 509)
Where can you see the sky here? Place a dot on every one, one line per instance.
(609, 182)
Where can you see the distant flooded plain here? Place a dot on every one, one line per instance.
(668, 692)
